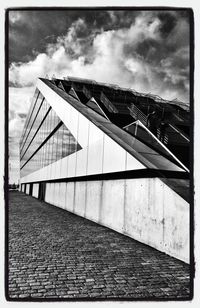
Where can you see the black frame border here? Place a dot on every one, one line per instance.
(6, 155)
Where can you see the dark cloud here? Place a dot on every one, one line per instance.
(169, 21)
(149, 49)
(31, 31)
(153, 42)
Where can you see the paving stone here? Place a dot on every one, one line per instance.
(13, 296)
(99, 286)
(36, 295)
(34, 283)
(24, 288)
(11, 289)
(23, 295)
(56, 254)
(50, 286)
(73, 292)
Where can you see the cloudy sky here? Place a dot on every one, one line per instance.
(145, 50)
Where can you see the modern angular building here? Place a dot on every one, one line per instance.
(112, 155)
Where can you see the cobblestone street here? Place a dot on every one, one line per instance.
(56, 254)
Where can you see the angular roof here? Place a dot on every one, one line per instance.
(115, 106)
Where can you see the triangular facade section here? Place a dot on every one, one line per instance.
(51, 141)
(60, 85)
(72, 92)
(142, 133)
(92, 103)
(65, 86)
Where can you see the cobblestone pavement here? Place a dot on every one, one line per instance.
(56, 254)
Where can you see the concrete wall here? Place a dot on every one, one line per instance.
(145, 209)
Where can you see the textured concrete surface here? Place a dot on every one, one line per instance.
(56, 254)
